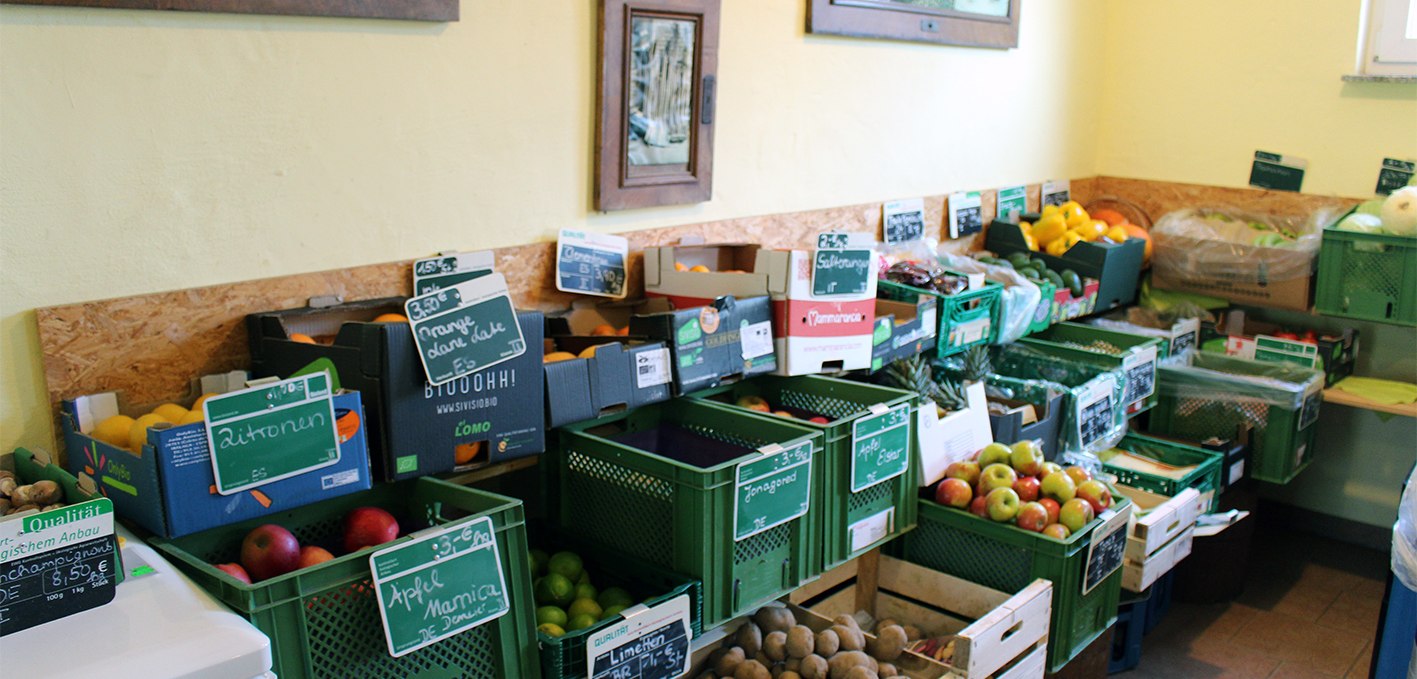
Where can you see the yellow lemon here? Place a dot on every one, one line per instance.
(193, 415)
(197, 405)
(138, 433)
(171, 412)
(114, 430)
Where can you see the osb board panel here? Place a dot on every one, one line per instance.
(1159, 198)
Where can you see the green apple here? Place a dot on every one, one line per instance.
(1049, 468)
(1075, 514)
(1079, 474)
(997, 475)
(994, 453)
(964, 470)
(1002, 504)
(1059, 486)
(1026, 457)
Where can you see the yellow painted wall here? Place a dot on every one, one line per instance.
(1194, 87)
(146, 151)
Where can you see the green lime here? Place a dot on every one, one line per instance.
(538, 562)
(585, 591)
(581, 621)
(611, 611)
(566, 564)
(555, 589)
(611, 596)
(584, 579)
(551, 614)
(550, 630)
(584, 607)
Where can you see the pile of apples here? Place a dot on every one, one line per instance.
(761, 405)
(271, 550)
(1013, 484)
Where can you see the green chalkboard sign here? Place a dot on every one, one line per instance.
(772, 490)
(1013, 201)
(439, 585)
(465, 328)
(1394, 175)
(271, 432)
(880, 447)
(445, 271)
(1278, 172)
(841, 272)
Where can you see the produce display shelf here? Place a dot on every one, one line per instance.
(1343, 398)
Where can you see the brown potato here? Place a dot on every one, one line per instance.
(775, 646)
(22, 508)
(752, 669)
(4, 505)
(750, 639)
(860, 672)
(888, 670)
(800, 642)
(851, 638)
(828, 643)
(814, 667)
(847, 620)
(843, 662)
(774, 619)
(789, 674)
(728, 663)
(888, 644)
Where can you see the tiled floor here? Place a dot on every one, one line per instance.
(1309, 609)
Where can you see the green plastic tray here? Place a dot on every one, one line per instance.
(323, 621)
(1368, 276)
(843, 402)
(1008, 558)
(679, 516)
(1205, 478)
(1064, 339)
(954, 312)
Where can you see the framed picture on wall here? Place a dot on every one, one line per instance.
(970, 23)
(654, 114)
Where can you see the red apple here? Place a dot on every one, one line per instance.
(819, 420)
(367, 527)
(1075, 514)
(1002, 504)
(1059, 486)
(757, 403)
(1053, 508)
(1026, 457)
(1027, 489)
(1048, 468)
(1079, 474)
(268, 551)
(311, 555)
(979, 507)
(994, 453)
(997, 476)
(954, 493)
(1032, 517)
(234, 570)
(965, 470)
(1096, 494)
(1057, 531)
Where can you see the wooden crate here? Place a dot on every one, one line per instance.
(1161, 533)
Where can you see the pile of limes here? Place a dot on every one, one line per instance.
(565, 598)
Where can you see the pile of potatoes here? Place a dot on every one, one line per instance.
(773, 646)
(16, 497)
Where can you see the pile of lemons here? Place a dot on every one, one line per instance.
(126, 432)
(1060, 227)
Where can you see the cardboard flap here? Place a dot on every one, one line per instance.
(94, 408)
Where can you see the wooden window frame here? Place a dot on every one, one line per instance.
(893, 21)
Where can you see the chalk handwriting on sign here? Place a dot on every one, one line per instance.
(966, 214)
(591, 263)
(1012, 202)
(436, 273)
(466, 328)
(903, 220)
(838, 269)
(439, 585)
(271, 432)
(1056, 192)
(1095, 412)
(1104, 552)
(1394, 175)
(1277, 171)
(56, 563)
(880, 446)
(772, 490)
(650, 643)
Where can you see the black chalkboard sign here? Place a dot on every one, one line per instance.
(649, 644)
(904, 220)
(591, 263)
(1095, 415)
(1056, 192)
(1140, 368)
(445, 271)
(1394, 175)
(966, 214)
(56, 563)
(1278, 172)
(1104, 554)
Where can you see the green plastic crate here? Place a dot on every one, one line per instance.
(843, 402)
(965, 319)
(1217, 394)
(1027, 372)
(1205, 478)
(1368, 276)
(679, 516)
(1043, 314)
(564, 657)
(1137, 354)
(1008, 558)
(324, 621)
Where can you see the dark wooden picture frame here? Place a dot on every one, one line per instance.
(417, 10)
(899, 21)
(655, 109)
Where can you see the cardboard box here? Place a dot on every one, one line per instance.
(718, 343)
(1247, 287)
(624, 373)
(1334, 353)
(415, 429)
(812, 333)
(1044, 426)
(951, 438)
(169, 488)
(902, 330)
(1066, 307)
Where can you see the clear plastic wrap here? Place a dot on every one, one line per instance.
(1227, 379)
(1095, 418)
(1221, 242)
(1404, 536)
(1020, 298)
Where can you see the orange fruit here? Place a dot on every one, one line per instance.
(390, 318)
(171, 412)
(1135, 231)
(623, 332)
(464, 453)
(679, 266)
(590, 351)
(302, 338)
(604, 329)
(699, 268)
(1112, 217)
(782, 413)
(557, 356)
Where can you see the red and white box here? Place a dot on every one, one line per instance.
(811, 333)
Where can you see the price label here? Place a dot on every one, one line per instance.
(652, 368)
(1186, 336)
(1095, 412)
(56, 563)
(1140, 369)
(439, 585)
(591, 263)
(1056, 192)
(1277, 171)
(650, 643)
(966, 214)
(271, 432)
(1104, 552)
(904, 221)
(838, 269)
(1013, 201)
(880, 446)
(772, 490)
(443, 271)
(465, 328)
(1310, 410)
(756, 339)
(1394, 175)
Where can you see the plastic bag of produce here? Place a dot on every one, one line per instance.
(1404, 536)
(1218, 378)
(1227, 243)
(1094, 417)
(1020, 299)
